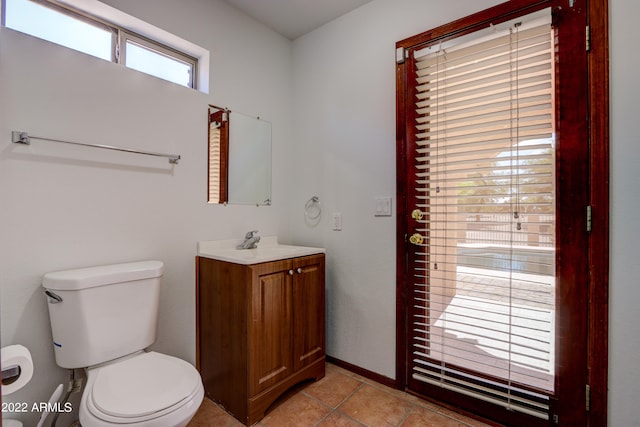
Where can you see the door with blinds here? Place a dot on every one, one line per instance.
(486, 195)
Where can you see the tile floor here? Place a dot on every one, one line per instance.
(342, 398)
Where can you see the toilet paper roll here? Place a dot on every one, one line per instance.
(16, 356)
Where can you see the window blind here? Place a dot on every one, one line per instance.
(218, 154)
(484, 265)
(214, 162)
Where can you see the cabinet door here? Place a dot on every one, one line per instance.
(308, 310)
(270, 353)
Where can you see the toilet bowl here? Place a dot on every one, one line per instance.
(147, 389)
(102, 319)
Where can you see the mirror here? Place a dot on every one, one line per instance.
(239, 158)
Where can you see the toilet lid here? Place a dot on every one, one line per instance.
(143, 385)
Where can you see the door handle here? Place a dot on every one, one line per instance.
(416, 239)
(416, 214)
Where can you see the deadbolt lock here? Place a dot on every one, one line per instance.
(416, 214)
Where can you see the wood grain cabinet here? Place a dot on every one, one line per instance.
(260, 330)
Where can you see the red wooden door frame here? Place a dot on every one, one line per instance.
(595, 107)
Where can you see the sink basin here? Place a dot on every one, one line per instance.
(268, 250)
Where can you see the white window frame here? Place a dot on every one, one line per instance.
(126, 36)
(125, 26)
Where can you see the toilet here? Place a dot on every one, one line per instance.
(102, 319)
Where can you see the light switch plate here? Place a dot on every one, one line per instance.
(336, 221)
(383, 206)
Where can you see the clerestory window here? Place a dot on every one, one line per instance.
(78, 30)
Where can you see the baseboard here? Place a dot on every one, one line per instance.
(373, 376)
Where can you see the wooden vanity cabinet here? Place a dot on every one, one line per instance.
(260, 330)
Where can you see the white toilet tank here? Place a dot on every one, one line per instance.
(102, 313)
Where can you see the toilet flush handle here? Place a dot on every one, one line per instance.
(53, 297)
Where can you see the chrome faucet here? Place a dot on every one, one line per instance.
(251, 240)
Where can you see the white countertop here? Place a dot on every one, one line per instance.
(268, 250)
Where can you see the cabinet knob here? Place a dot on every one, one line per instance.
(299, 270)
(290, 272)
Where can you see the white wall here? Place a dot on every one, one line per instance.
(66, 207)
(624, 310)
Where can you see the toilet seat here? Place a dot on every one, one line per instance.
(145, 387)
